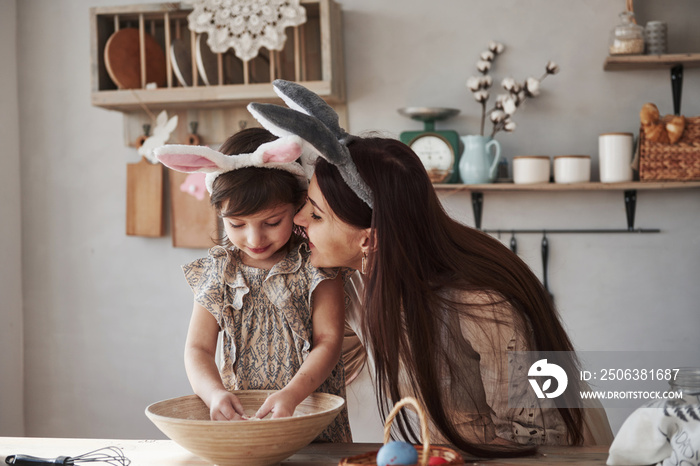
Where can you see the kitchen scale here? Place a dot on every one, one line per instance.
(439, 150)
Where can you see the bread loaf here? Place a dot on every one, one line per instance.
(666, 130)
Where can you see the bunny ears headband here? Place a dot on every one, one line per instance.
(280, 154)
(308, 129)
(310, 118)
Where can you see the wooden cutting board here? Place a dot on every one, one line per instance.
(193, 222)
(123, 59)
(144, 199)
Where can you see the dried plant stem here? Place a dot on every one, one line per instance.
(483, 116)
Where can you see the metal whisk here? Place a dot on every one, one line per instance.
(107, 455)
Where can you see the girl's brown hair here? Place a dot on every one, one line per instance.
(249, 190)
(410, 317)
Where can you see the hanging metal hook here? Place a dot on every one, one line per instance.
(513, 243)
(545, 260)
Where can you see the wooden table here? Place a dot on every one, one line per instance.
(167, 452)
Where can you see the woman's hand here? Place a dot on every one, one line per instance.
(225, 406)
(280, 404)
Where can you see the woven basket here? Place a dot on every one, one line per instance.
(671, 162)
(425, 451)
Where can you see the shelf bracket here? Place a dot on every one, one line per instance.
(677, 87)
(630, 207)
(477, 207)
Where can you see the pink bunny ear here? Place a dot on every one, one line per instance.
(190, 159)
(282, 152)
(186, 163)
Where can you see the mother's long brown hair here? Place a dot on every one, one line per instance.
(420, 255)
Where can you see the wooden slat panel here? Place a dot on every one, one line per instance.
(302, 52)
(193, 48)
(297, 55)
(326, 44)
(336, 59)
(147, 8)
(142, 51)
(168, 63)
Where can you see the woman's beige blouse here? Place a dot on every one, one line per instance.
(493, 340)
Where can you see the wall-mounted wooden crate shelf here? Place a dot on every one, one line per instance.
(312, 56)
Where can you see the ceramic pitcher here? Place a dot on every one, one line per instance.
(477, 165)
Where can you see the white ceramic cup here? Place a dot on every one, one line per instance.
(572, 168)
(615, 157)
(531, 169)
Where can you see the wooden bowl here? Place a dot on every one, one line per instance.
(256, 442)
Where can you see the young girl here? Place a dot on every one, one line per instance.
(282, 318)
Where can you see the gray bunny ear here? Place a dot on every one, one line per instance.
(282, 121)
(301, 99)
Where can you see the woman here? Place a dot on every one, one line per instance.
(432, 283)
(442, 303)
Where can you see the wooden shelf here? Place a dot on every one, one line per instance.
(592, 186)
(639, 62)
(185, 98)
(629, 190)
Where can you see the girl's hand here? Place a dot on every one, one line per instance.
(225, 406)
(280, 404)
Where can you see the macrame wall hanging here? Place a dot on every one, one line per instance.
(245, 25)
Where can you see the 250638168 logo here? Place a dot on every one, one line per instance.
(543, 370)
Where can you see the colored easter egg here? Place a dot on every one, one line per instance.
(435, 460)
(397, 453)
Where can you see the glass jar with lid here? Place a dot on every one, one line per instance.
(627, 38)
(687, 381)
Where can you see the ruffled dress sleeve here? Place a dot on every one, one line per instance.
(212, 278)
(315, 275)
(294, 279)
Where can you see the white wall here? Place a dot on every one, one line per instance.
(11, 340)
(106, 315)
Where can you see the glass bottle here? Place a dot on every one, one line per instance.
(627, 38)
(687, 381)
